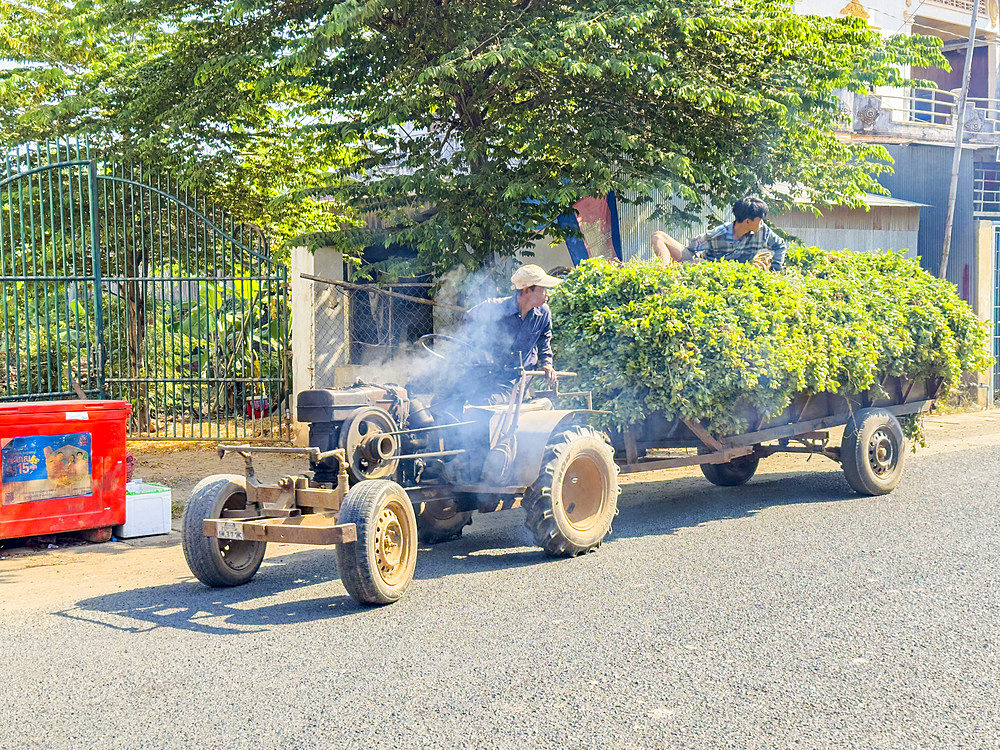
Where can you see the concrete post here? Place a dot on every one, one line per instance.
(320, 326)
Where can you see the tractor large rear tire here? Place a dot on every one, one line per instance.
(378, 567)
(571, 505)
(435, 525)
(872, 452)
(218, 562)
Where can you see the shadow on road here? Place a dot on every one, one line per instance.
(248, 609)
(649, 508)
(497, 543)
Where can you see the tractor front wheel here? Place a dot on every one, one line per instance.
(571, 505)
(218, 562)
(378, 567)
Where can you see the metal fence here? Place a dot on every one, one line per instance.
(115, 285)
(381, 325)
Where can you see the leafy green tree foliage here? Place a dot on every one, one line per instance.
(475, 123)
(502, 114)
(716, 340)
(175, 96)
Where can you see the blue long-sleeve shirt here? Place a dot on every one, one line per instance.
(497, 326)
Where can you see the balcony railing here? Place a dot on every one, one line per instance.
(935, 107)
(961, 5)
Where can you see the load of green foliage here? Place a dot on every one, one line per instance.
(703, 341)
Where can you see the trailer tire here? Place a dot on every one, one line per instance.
(732, 473)
(378, 567)
(872, 452)
(571, 505)
(218, 562)
(435, 526)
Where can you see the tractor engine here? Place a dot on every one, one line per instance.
(360, 419)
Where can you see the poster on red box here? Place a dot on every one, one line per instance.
(46, 467)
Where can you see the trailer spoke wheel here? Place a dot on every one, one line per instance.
(571, 505)
(732, 473)
(872, 452)
(378, 567)
(218, 562)
(881, 453)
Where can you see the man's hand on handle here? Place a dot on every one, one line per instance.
(551, 378)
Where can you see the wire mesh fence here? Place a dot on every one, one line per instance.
(367, 327)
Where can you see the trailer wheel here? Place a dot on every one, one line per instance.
(872, 452)
(435, 524)
(572, 503)
(378, 567)
(218, 562)
(732, 473)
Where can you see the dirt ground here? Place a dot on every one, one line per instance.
(54, 564)
(181, 466)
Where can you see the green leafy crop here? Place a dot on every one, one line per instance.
(705, 341)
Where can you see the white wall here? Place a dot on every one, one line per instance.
(886, 15)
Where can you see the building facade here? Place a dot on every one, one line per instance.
(918, 127)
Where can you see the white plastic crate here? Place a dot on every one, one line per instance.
(147, 510)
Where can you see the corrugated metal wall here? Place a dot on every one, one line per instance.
(881, 227)
(636, 226)
(857, 230)
(922, 174)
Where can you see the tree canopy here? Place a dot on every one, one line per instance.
(465, 127)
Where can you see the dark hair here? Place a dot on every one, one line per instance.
(750, 207)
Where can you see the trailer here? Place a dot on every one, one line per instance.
(871, 452)
(387, 472)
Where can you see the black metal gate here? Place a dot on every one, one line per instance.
(116, 286)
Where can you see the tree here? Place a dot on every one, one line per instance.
(473, 124)
(502, 114)
(143, 90)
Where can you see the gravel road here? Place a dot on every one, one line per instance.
(788, 613)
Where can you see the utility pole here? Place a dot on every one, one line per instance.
(956, 160)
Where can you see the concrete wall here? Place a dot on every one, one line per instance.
(542, 253)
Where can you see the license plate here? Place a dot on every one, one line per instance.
(228, 530)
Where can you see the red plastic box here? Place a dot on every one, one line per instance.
(63, 466)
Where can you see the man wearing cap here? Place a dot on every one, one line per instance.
(517, 330)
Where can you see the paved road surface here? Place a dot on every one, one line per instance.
(785, 614)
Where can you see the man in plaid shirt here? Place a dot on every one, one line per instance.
(747, 239)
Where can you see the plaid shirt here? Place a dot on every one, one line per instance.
(718, 244)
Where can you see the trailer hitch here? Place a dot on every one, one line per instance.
(290, 494)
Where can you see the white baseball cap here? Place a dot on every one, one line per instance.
(532, 275)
